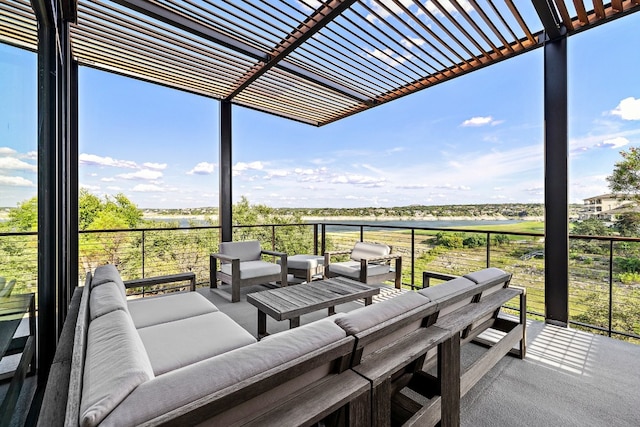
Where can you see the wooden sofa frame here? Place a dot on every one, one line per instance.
(404, 363)
(234, 278)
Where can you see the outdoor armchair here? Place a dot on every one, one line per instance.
(241, 265)
(6, 287)
(369, 263)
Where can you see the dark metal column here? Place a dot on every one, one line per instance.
(63, 182)
(556, 182)
(73, 175)
(48, 256)
(225, 206)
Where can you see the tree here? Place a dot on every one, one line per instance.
(625, 179)
(591, 227)
(628, 224)
(25, 216)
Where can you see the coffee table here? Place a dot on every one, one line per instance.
(293, 301)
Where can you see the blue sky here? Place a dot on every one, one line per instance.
(475, 139)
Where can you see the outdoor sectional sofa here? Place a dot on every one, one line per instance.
(178, 360)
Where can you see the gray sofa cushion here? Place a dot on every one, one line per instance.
(251, 269)
(364, 318)
(115, 364)
(352, 269)
(180, 343)
(107, 273)
(188, 384)
(486, 275)
(369, 250)
(450, 295)
(245, 251)
(167, 308)
(106, 298)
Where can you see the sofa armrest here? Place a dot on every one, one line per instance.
(213, 267)
(329, 254)
(382, 258)
(223, 257)
(158, 280)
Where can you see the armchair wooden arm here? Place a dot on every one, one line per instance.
(364, 262)
(274, 253)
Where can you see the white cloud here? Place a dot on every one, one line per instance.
(147, 188)
(277, 173)
(11, 163)
(389, 57)
(628, 109)
(202, 168)
(354, 179)
(446, 4)
(614, 143)
(453, 187)
(144, 174)
(6, 151)
(481, 121)
(108, 179)
(242, 166)
(155, 166)
(93, 160)
(15, 181)
(114, 188)
(31, 155)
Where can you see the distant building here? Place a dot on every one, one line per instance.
(605, 207)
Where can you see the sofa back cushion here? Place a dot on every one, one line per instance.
(106, 298)
(369, 250)
(115, 364)
(450, 295)
(489, 275)
(105, 274)
(245, 251)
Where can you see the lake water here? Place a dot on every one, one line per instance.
(184, 222)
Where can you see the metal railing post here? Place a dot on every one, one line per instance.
(488, 249)
(362, 233)
(315, 239)
(273, 237)
(610, 285)
(143, 250)
(413, 256)
(323, 237)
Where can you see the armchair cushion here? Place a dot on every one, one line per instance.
(369, 250)
(352, 269)
(245, 251)
(250, 269)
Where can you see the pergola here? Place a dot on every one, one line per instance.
(310, 61)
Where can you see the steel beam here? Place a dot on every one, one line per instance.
(209, 33)
(556, 254)
(73, 177)
(548, 17)
(225, 206)
(314, 23)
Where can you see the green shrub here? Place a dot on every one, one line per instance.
(474, 241)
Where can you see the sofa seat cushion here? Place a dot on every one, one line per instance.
(115, 364)
(369, 316)
(251, 269)
(173, 345)
(352, 269)
(245, 251)
(168, 308)
(199, 380)
(106, 298)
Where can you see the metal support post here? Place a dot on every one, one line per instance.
(556, 183)
(225, 206)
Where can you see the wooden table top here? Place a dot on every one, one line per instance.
(293, 301)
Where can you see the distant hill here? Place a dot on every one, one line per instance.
(486, 211)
